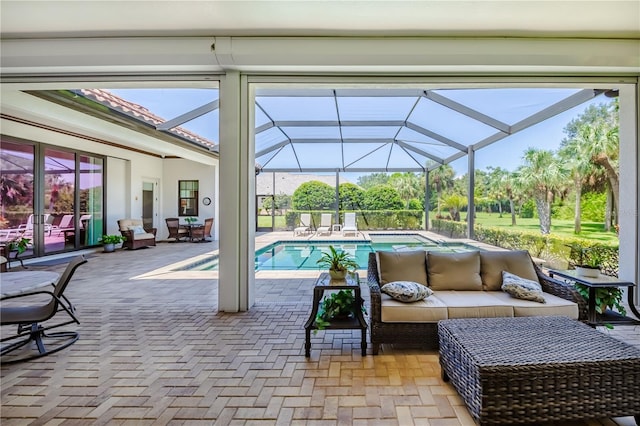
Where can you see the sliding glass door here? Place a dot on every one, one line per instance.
(51, 196)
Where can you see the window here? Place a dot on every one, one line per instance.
(188, 198)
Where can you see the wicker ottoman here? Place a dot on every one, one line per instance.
(535, 369)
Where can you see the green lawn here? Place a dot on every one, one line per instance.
(590, 230)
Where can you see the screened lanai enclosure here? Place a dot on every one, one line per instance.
(331, 133)
(352, 131)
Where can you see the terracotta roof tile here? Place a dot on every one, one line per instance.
(143, 114)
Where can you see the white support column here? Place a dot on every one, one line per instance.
(629, 200)
(471, 205)
(337, 197)
(427, 195)
(237, 197)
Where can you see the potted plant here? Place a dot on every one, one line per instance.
(19, 246)
(109, 242)
(336, 306)
(587, 260)
(606, 297)
(338, 262)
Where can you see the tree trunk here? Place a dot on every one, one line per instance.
(607, 210)
(577, 225)
(513, 212)
(612, 175)
(499, 209)
(544, 214)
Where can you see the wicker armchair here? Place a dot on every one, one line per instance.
(175, 231)
(427, 332)
(201, 233)
(136, 235)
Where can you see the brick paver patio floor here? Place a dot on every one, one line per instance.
(154, 350)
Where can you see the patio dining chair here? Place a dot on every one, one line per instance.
(202, 232)
(31, 318)
(175, 231)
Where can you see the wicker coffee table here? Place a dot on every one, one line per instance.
(536, 369)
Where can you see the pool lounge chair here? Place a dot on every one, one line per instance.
(305, 225)
(325, 224)
(350, 224)
(66, 223)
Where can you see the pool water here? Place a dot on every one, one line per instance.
(303, 255)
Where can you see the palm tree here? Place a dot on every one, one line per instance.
(597, 127)
(541, 174)
(455, 203)
(407, 184)
(575, 156)
(604, 152)
(496, 188)
(442, 178)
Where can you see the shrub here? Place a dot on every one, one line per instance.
(314, 195)
(382, 197)
(527, 211)
(351, 196)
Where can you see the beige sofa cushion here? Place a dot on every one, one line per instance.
(475, 304)
(454, 271)
(402, 266)
(492, 263)
(145, 236)
(125, 224)
(555, 306)
(430, 309)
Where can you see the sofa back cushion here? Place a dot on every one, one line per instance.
(492, 263)
(402, 266)
(454, 271)
(127, 224)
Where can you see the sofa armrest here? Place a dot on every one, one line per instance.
(128, 234)
(374, 290)
(563, 290)
(151, 231)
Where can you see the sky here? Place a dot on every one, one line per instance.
(507, 153)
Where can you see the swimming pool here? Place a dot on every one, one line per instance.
(303, 255)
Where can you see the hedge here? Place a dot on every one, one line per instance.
(366, 219)
(553, 249)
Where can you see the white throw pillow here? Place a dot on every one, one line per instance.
(522, 288)
(406, 291)
(137, 229)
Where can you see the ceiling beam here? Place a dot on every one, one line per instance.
(465, 110)
(406, 146)
(188, 116)
(436, 136)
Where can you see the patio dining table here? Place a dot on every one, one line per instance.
(190, 226)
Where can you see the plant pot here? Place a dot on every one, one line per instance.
(586, 271)
(337, 275)
(108, 248)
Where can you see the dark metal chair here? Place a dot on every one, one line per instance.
(175, 231)
(30, 319)
(202, 232)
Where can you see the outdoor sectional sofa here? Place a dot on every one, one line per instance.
(464, 285)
